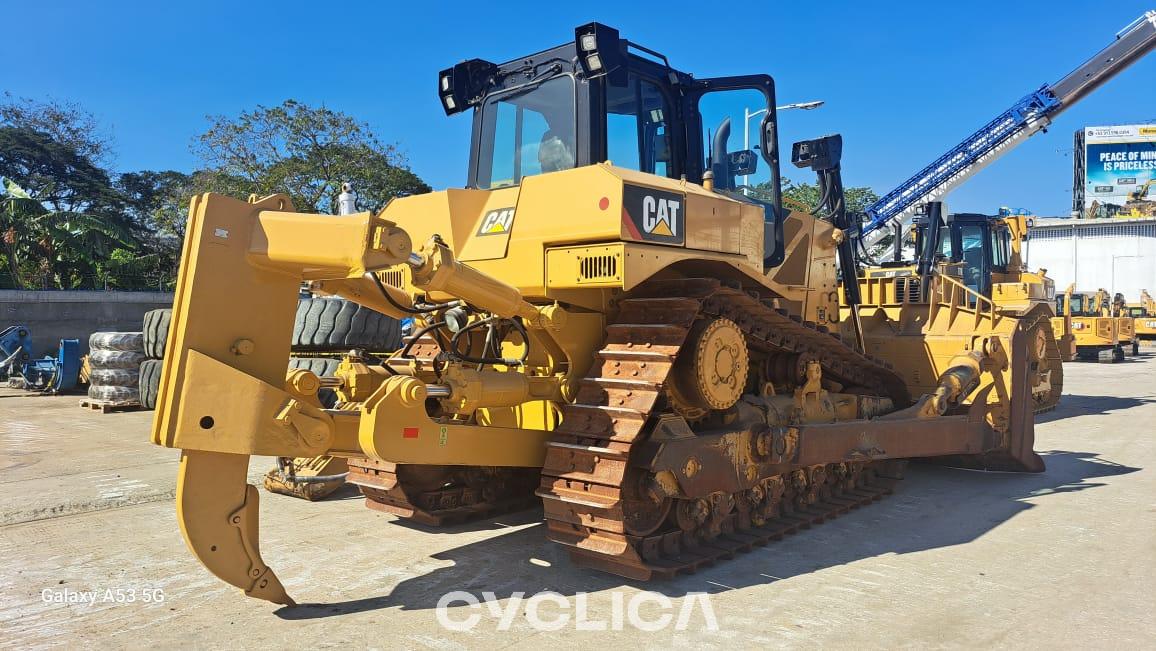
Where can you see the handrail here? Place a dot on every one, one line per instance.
(957, 296)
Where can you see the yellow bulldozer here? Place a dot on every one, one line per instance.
(980, 257)
(1097, 331)
(604, 319)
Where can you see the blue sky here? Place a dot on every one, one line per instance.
(902, 81)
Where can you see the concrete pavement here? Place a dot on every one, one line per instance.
(954, 559)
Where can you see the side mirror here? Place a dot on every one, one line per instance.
(742, 163)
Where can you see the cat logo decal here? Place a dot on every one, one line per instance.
(497, 222)
(653, 215)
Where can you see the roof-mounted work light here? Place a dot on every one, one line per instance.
(601, 52)
(462, 86)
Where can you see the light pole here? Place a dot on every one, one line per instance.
(747, 115)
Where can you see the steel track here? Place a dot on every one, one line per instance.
(588, 496)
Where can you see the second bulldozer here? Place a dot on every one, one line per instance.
(604, 320)
(972, 264)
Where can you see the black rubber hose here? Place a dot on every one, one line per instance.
(490, 360)
(316, 479)
(424, 309)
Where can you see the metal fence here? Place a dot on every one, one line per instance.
(158, 281)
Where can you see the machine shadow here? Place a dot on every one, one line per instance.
(925, 513)
(1079, 405)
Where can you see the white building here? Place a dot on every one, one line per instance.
(1115, 254)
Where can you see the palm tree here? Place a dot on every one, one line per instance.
(62, 247)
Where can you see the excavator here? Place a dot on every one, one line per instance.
(1144, 317)
(604, 321)
(1096, 330)
(985, 253)
(1125, 325)
(1138, 203)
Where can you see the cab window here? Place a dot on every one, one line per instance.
(1000, 248)
(1078, 304)
(971, 255)
(637, 127)
(527, 132)
(945, 242)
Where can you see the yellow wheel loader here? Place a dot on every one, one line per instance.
(1096, 331)
(604, 320)
(979, 257)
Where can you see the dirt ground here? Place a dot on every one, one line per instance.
(955, 558)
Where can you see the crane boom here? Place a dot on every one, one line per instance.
(1031, 114)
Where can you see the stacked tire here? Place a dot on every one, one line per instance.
(324, 329)
(155, 334)
(114, 360)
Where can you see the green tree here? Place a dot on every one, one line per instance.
(65, 123)
(158, 200)
(807, 194)
(56, 173)
(305, 152)
(46, 248)
(69, 222)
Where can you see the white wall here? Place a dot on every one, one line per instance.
(1118, 255)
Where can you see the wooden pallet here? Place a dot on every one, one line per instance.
(107, 406)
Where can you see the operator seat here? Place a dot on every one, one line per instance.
(554, 154)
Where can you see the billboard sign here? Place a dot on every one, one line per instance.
(1120, 171)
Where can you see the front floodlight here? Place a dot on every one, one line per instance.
(601, 52)
(464, 85)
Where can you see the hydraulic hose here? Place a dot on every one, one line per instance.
(286, 470)
(491, 360)
(417, 309)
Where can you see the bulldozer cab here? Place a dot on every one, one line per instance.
(977, 247)
(601, 98)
